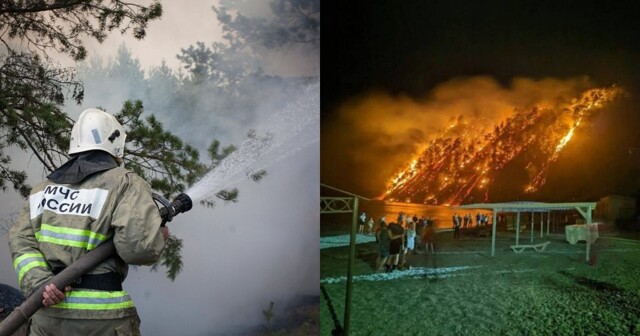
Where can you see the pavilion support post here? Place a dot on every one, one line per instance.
(588, 245)
(518, 228)
(588, 218)
(493, 233)
(533, 224)
(541, 224)
(548, 220)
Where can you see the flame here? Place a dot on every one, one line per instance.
(460, 163)
(565, 140)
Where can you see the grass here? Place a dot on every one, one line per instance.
(555, 292)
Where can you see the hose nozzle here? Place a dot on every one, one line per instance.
(182, 203)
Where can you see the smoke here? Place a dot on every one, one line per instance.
(182, 23)
(239, 257)
(376, 135)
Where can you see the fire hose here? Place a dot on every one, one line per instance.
(20, 315)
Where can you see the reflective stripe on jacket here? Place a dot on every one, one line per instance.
(27, 261)
(62, 222)
(95, 300)
(69, 237)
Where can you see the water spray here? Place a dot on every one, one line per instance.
(283, 134)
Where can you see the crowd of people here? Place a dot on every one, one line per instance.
(466, 222)
(398, 241)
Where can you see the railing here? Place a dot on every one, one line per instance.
(334, 205)
(331, 205)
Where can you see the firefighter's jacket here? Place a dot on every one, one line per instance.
(61, 222)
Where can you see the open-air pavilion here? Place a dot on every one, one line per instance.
(584, 208)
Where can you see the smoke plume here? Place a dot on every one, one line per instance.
(377, 135)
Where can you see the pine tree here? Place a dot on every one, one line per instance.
(32, 90)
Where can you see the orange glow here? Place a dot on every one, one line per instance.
(460, 166)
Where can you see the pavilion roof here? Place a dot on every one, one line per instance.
(526, 206)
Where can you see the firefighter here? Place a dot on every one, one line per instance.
(85, 202)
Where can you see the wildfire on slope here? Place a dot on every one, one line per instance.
(461, 162)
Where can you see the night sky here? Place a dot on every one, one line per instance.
(404, 51)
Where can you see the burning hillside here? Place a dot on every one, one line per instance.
(461, 163)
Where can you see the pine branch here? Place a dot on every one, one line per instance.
(172, 256)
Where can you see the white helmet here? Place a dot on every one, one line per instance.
(97, 130)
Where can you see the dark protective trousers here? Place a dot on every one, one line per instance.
(51, 326)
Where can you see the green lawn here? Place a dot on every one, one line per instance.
(555, 292)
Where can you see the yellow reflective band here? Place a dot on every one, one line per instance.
(69, 237)
(28, 267)
(34, 255)
(26, 262)
(76, 232)
(95, 300)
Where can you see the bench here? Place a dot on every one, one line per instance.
(538, 247)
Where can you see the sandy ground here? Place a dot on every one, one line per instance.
(462, 290)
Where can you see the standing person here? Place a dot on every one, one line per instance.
(383, 219)
(362, 220)
(456, 227)
(382, 237)
(370, 226)
(396, 234)
(427, 238)
(410, 245)
(423, 222)
(82, 204)
(419, 230)
(415, 218)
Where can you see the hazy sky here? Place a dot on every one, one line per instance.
(184, 23)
